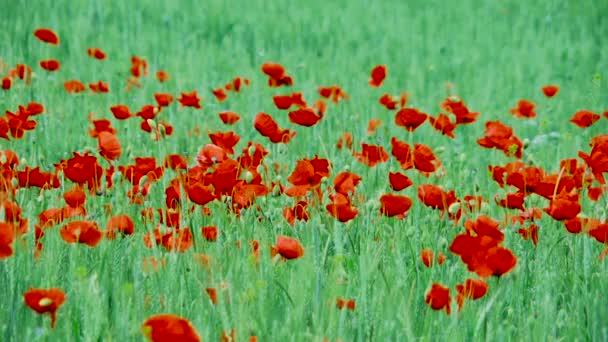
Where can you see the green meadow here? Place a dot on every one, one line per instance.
(490, 54)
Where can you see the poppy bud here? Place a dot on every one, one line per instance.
(151, 123)
(248, 177)
(260, 169)
(251, 150)
(143, 181)
(23, 161)
(3, 158)
(454, 208)
(14, 182)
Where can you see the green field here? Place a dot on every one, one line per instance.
(489, 54)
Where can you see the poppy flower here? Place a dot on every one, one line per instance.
(298, 212)
(410, 118)
(304, 117)
(425, 160)
(530, 233)
(378, 75)
(50, 65)
(86, 232)
(277, 75)
(346, 182)
(455, 106)
(225, 140)
(473, 289)
(20, 123)
(219, 94)
(443, 124)
(436, 198)
(75, 197)
(371, 155)
(341, 208)
(109, 146)
(289, 248)
(74, 86)
(7, 82)
(200, 194)
(524, 109)
(387, 102)
(345, 139)
(427, 256)
(7, 236)
(163, 99)
(403, 153)
(373, 125)
(122, 224)
(45, 301)
(83, 169)
(282, 101)
(168, 327)
(512, 201)
(179, 240)
(564, 207)
(47, 35)
(267, 127)
(36, 178)
(344, 303)
(175, 162)
(162, 76)
(96, 53)
(190, 100)
(584, 118)
(599, 233)
(99, 87)
(438, 298)
(229, 118)
(395, 205)
(209, 233)
(399, 181)
(500, 136)
(550, 90)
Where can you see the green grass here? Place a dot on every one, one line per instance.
(493, 52)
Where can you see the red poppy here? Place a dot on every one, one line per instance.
(512, 201)
(179, 240)
(341, 208)
(346, 139)
(83, 169)
(584, 118)
(455, 106)
(473, 289)
(109, 146)
(387, 102)
(438, 297)
(371, 155)
(500, 136)
(139, 66)
(443, 124)
(425, 160)
(162, 76)
(344, 303)
(289, 248)
(7, 236)
(399, 181)
(45, 301)
(47, 35)
(99, 87)
(267, 127)
(74, 86)
(395, 205)
(169, 328)
(190, 100)
(304, 117)
(7, 82)
(282, 101)
(75, 197)
(403, 153)
(163, 99)
(524, 109)
(346, 182)
(225, 140)
(122, 224)
(175, 162)
(219, 94)
(209, 233)
(599, 232)
(298, 212)
(277, 75)
(50, 65)
(378, 75)
(427, 256)
(530, 233)
(550, 90)
(20, 123)
(229, 118)
(36, 178)
(86, 232)
(410, 118)
(200, 194)
(564, 207)
(372, 125)
(96, 53)
(434, 197)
